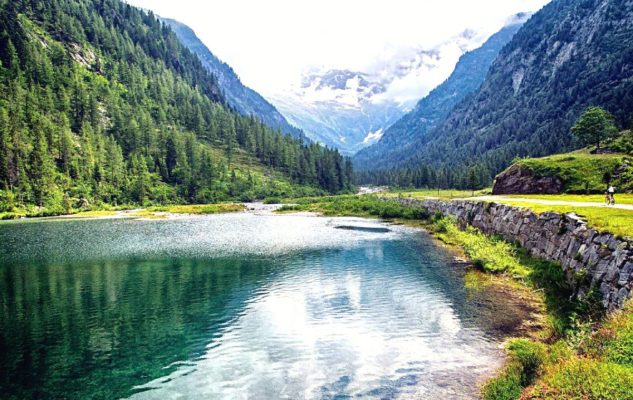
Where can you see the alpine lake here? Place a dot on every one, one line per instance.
(249, 305)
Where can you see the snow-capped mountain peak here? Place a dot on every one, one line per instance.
(349, 108)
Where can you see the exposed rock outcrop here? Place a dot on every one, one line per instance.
(591, 260)
(519, 179)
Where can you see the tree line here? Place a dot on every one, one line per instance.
(594, 127)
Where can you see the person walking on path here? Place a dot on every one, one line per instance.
(611, 195)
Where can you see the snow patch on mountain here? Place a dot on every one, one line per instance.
(373, 136)
(350, 109)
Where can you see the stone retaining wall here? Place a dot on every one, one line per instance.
(589, 258)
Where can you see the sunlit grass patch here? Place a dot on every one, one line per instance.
(584, 378)
(621, 198)
(147, 214)
(199, 208)
(444, 194)
(93, 214)
(490, 254)
(525, 360)
(606, 219)
(580, 171)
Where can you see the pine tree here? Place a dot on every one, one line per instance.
(4, 149)
(41, 168)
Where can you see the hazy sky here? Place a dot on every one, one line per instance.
(270, 42)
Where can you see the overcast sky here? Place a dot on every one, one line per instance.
(269, 43)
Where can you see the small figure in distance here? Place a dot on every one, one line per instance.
(611, 195)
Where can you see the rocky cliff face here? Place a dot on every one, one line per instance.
(591, 260)
(521, 180)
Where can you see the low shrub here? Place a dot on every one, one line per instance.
(272, 200)
(585, 378)
(506, 386)
(525, 359)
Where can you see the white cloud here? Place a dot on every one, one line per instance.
(269, 43)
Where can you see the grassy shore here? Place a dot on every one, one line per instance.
(579, 171)
(199, 208)
(90, 212)
(362, 206)
(149, 212)
(575, 353)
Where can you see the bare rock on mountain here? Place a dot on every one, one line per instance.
(521, 180)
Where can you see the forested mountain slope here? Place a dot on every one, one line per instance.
(100, 100)
(243, 99)
(570, 55)
(403, 138)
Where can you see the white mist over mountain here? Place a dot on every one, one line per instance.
(351, 109)
(368, 61)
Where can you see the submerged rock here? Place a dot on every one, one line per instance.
(378, 229)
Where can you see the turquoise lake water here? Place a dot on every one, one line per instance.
(235, 306)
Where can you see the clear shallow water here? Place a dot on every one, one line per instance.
(234, 307)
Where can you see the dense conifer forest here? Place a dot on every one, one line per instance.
(100, 103)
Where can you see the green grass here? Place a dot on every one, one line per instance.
(30, 211)
(198, 208)
(613, 220)
(149, 212)
(582, 378)
(580, 171)
(444, 194)
(362, 206)
(599, 366)
(525, 360)
(93, 214)
(490, 254)
(621, 198)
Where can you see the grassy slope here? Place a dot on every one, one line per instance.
(580, 171)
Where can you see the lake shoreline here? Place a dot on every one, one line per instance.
(181, 267)
(511, 319)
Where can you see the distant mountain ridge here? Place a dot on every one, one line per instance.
(402, 139)
(335, 108)
(243, 99)
(570, 55)
(350, 109)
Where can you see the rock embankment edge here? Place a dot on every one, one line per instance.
(591, 260)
